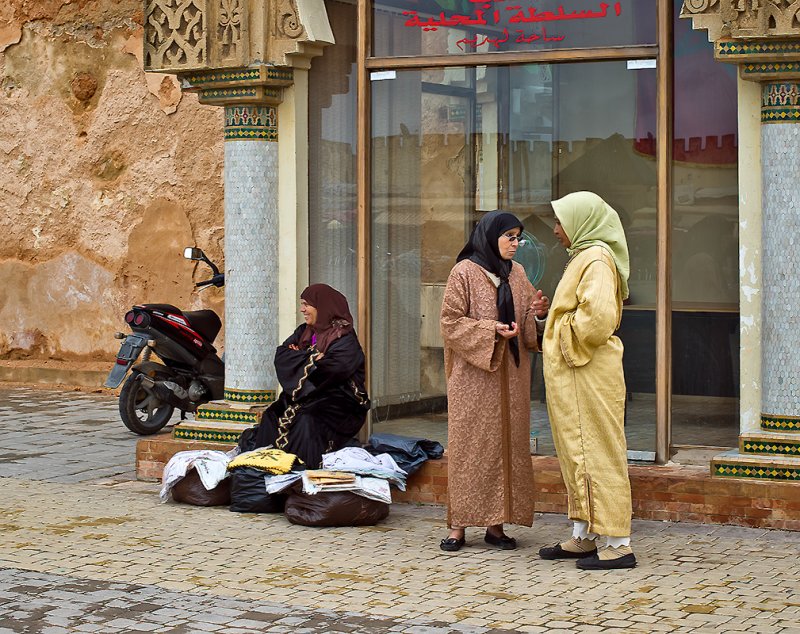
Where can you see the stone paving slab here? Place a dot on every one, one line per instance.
(36, 602)
(75, 550)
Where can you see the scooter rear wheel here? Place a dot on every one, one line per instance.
(141, 411)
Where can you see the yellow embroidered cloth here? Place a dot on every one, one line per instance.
(272, 461)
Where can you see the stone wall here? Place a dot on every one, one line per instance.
(106, 173)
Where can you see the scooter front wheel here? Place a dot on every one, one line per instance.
(141, 410)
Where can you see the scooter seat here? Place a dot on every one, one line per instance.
(206, 322)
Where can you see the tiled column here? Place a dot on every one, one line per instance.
(251, 253)
(780, 344)
(762, 39)
(773, 452)
(250, 98)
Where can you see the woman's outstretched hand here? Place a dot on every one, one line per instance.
(540, 304)
(505, 331)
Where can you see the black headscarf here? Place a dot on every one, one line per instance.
(482, 249)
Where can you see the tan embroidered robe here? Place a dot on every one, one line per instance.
(582, 361)
(490, 480)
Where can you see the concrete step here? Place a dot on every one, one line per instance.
(770, 444)
(733, 464)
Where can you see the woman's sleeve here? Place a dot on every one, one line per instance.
(342, 359)
(474, 340)
(529, 333)
(593, 322)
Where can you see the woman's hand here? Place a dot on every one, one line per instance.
(292, 346)
(505, 331)
(540, 305)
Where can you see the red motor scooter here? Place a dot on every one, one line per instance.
(189, 372)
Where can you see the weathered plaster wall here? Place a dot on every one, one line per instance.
(106, 173)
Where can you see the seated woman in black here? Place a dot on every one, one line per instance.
(321, 369)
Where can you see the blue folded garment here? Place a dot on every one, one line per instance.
(409, 453)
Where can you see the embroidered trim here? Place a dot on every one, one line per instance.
(360, 396)
(285, 421)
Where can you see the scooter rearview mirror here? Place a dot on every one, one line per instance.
(193, 253)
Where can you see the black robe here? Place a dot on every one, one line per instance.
(323, 404)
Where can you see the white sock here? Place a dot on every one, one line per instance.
(616, 542)
(580, 529)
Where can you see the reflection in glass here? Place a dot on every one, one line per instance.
(332, 158)
(449, 145)
(705, 241)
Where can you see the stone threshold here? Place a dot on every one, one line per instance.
(675, 493)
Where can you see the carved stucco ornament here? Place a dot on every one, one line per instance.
(761, 36)
(751, 19)
(194, 35)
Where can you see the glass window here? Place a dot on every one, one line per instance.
(332, 158)
(451, 144)
(444, 27)
(705, 245)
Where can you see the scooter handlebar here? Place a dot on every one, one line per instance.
(218, 281)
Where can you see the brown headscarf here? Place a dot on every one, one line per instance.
(333, 316)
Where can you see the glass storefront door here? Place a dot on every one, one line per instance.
(451, 144)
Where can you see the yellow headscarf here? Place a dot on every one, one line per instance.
(588, 220)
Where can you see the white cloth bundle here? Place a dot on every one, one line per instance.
(211, 466)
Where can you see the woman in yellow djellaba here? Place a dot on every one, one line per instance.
(582, 361)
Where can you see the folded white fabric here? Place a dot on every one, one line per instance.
(278, 483)
(360, 461)
(372, 488)
(211, 466)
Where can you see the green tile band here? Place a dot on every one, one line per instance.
(280, 74)
(252, 397)
(744, 49)
(762, 447)
(768, 68)
(780, 423)
(780, 115)
(249, 76)
(225, 76)
(208, 435)
(757, 472)
(227, 415)
(220, 94)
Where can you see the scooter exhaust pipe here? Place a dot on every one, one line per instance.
(168, 391)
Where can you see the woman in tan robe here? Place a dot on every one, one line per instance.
(488, 327)
(582, 361)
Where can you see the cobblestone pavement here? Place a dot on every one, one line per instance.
(86, 548)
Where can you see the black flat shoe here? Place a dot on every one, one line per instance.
(595, 563)
(451, 544)
(503, 542)
(556, 552)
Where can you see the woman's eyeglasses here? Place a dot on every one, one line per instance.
(514, 238)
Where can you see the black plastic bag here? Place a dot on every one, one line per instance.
(190, 490)
(249, 492)
(334, 508)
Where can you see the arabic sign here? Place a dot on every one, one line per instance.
(495, 23)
